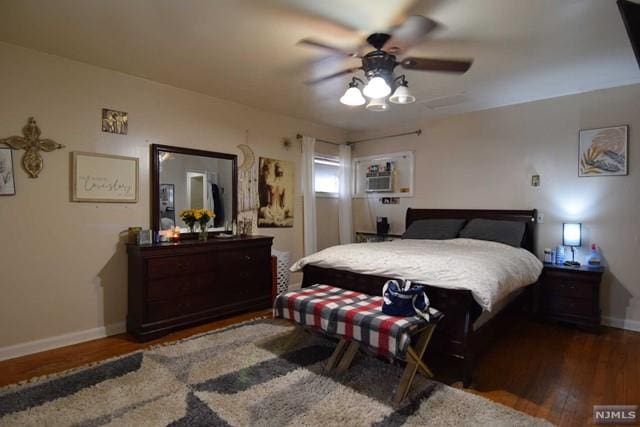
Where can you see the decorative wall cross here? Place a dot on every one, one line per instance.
(32, 161)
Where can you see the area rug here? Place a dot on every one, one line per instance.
(261, 373)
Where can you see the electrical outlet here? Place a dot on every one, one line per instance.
(540, 218)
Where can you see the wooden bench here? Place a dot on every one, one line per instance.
(357, 319)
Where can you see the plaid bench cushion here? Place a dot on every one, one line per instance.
(351, 315)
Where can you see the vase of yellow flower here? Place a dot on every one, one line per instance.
(191, 217)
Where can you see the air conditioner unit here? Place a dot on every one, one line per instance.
(379, 182)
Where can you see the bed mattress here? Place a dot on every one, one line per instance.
(490, 270)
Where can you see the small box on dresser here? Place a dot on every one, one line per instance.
(571, 295)
(176, 285)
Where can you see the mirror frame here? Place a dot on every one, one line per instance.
(155, 180)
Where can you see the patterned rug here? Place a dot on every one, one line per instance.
(260, 373)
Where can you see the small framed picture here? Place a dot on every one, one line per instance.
(115, 121)
(7, 178)
(145, 237)
(603, 151)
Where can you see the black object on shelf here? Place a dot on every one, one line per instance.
(382, 225)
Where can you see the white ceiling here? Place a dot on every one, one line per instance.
(245, 50)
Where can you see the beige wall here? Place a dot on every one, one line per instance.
(486, 159)
(62, 266)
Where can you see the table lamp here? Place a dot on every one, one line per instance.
(572, 236)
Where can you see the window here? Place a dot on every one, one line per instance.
(327, 175)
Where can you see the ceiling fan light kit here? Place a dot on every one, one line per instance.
(376, 88)
(402, 95)
(379, 64)
(377, 104)
(353, 97)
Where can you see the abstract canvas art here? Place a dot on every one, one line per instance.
(275, 191)
(603, 152)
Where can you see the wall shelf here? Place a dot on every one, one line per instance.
(401, 171)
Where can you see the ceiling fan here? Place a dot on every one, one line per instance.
(379, 64)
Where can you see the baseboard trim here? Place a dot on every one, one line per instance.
(628, 324)
(63, 340)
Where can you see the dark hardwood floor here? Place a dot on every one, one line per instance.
(545, 370)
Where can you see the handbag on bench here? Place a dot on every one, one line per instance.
(404, 299)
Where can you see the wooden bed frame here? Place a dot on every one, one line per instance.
(455, 335)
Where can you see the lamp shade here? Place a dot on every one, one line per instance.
(572, 234)
(376, 88)
(353, 97)
(402, 96)
(377, 104)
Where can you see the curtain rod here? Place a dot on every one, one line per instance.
(299, 136)
(417, 132)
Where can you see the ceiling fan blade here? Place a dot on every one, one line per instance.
(432, 64)
(334, 75)
(334, 49)
(410, 33)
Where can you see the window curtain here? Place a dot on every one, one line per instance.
(345, 212)
(309, 196)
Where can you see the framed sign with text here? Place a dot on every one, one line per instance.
(103, 178)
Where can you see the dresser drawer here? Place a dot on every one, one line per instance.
(178, 266)
(569, 306)
(245, 259)
(177, 286)
(569, 288)
(181, 306)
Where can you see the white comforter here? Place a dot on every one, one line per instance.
(489, 270)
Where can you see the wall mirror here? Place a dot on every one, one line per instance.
(184, 178)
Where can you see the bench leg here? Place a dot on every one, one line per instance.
(348, 356)
(422, 367)
(336, 356)
(414, 363)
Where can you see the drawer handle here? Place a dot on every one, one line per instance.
(247, 257)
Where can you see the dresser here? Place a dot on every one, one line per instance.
(571, 295)
(176, 285)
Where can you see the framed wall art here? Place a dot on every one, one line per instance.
(275, 193)
(115, 121)
(103, 178)
(603, 151)
(7, 178)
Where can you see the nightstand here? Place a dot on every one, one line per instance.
(571, 295)
(362, 237)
